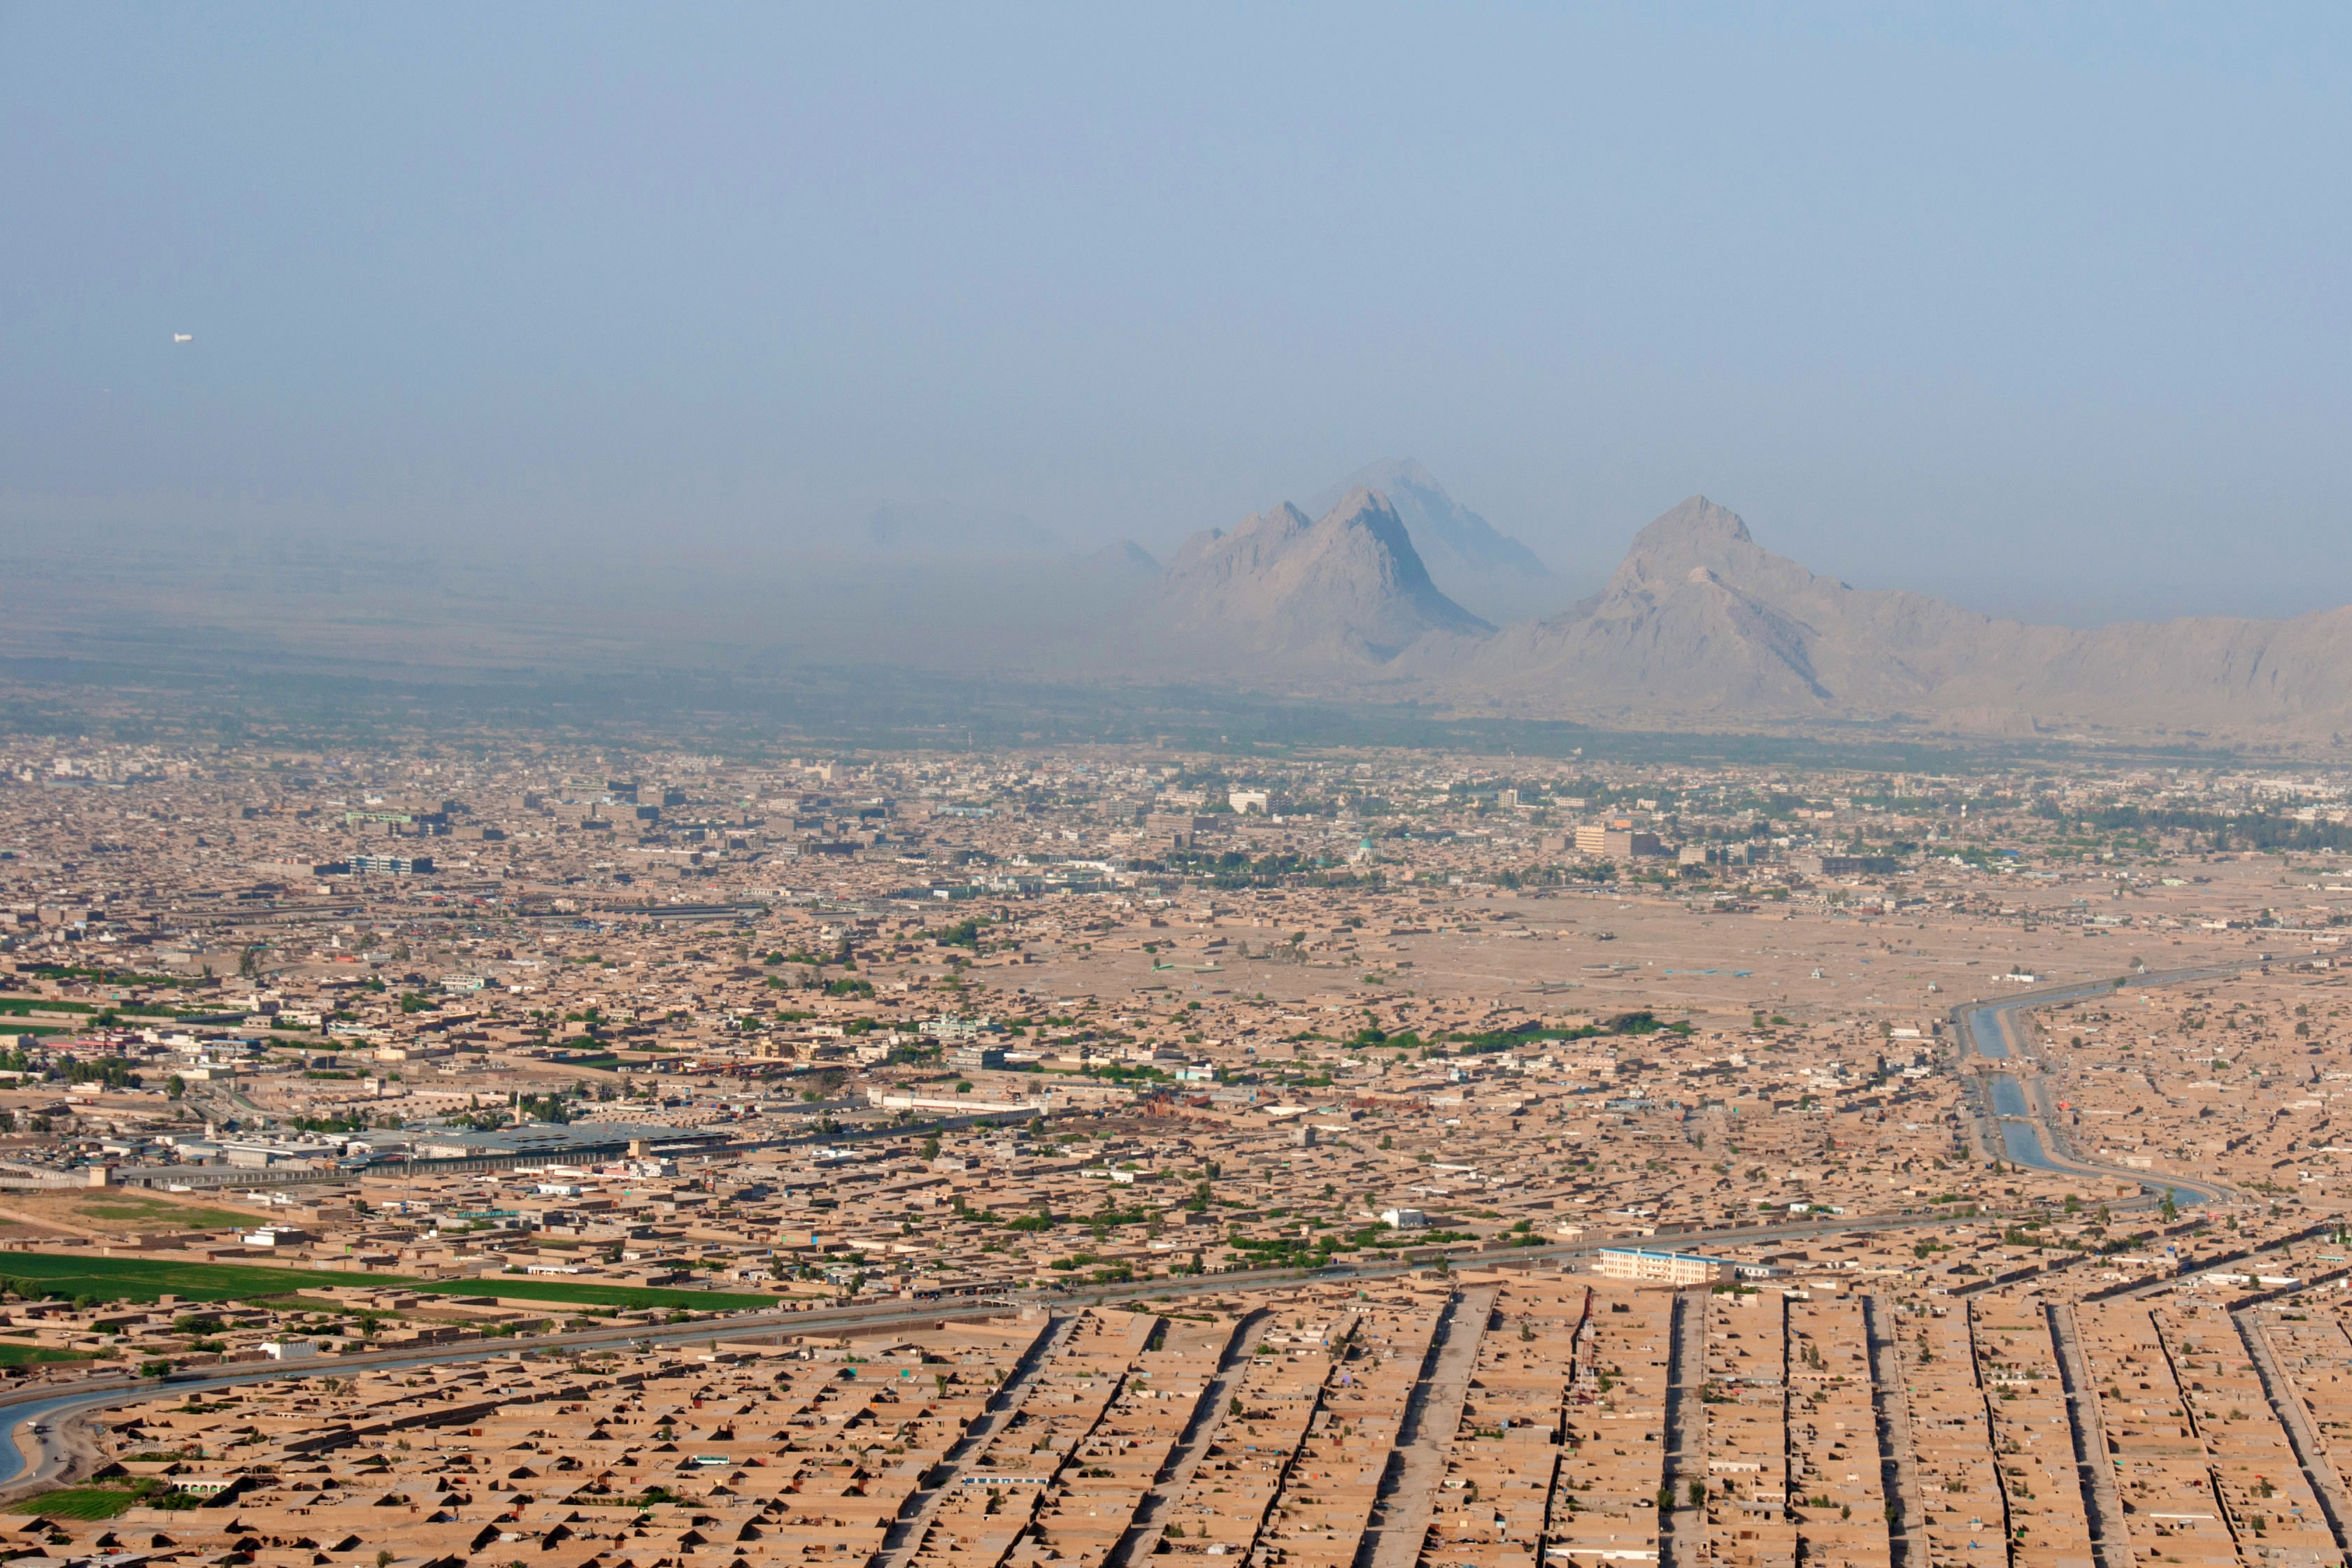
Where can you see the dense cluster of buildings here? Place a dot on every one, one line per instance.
(1390, 1038)
(1495, 1416)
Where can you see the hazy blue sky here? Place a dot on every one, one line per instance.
(2049, 317)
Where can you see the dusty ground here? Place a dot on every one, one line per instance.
(1588, 953)
(97, 1211)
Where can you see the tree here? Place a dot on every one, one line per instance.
(175, 1086)
(155, 1369)
(1697, 1493)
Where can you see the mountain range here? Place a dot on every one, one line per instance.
(1387, 591)
(1345, 591)
(1700, 626)
(1477, 565)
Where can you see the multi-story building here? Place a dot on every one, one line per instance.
(1617, 840)
(1666, 1268)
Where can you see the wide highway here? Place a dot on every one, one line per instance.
(37, 1419)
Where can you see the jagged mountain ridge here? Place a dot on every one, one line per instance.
(1702, 626)
(1472, 561)
(1444, 531)
(1346, 589)
(1699, 621)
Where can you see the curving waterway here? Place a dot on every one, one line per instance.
(2022, 1137)
(1984, 1024)
(2019, 1136)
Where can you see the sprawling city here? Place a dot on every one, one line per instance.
(1276, 786)
(1355, 1157)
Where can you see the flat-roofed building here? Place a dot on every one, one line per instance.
(1666, 1268)
(1616, 840)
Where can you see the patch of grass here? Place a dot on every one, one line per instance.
(165, 1215)
(108, 1498)
(144, 1279)
(78, 1502)
(30, 1355)
(623, 1296)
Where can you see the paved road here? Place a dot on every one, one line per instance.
(2309, 1452)
(2102, 1503)
(1682, 1528)
(39, 1457)
(1898, 1465)
(1149, 1523)
(24, 1461)
(1433, 1415)
(906, 1533)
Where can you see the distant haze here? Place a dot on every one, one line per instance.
(2043, 317)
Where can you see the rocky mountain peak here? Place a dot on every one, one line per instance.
(1471, 561)
(1346, 589)
(1371, 513)
(1698, 536)
(1697, 532)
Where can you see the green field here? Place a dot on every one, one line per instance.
(105, 1499)
(26, 1355)
(79, 1502)
(144, 1279)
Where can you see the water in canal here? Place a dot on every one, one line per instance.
(1984, 1032)
(2022, 1139)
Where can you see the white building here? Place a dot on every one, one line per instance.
(276, 1235)
(1666, 1268)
